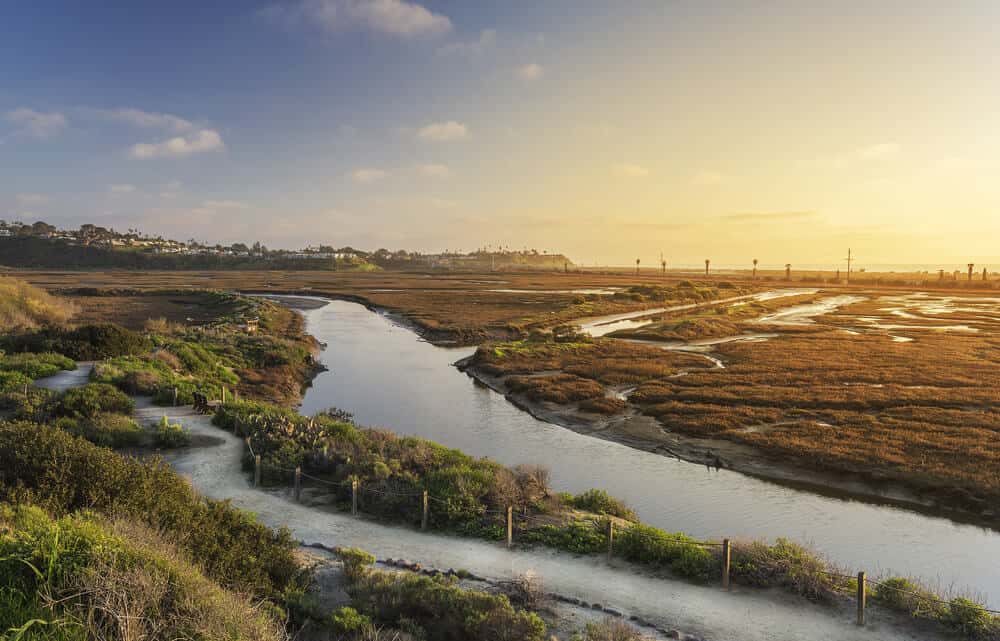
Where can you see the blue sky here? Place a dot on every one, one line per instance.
(601, 129)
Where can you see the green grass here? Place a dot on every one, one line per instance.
(83, 577)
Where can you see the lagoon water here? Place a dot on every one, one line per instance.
(385, 375)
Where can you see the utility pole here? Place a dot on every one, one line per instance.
(663, 265)
(788, 271)
(754, 269)
(636, 266)
(971, 267)
(706, 266)
(848, 265)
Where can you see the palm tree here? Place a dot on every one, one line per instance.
(788, 271)
(706, 266)
(636, 266)
(971, 266)
(755, 269)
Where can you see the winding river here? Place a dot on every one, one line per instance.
(386, 375)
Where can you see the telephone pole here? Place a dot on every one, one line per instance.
(663, 265)
(848, 265)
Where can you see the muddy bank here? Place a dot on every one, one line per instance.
(647, 433)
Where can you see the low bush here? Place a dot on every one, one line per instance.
(600, 502)
(13, 382)
(92, 399)
(112, 580)
(36, 366)
(85, 343)
(349, 621)
(171, 435)
(104, 429)
(61, 473)
(784, 564)
(680, 553)
(970, 618)
(904, 595)
(578, 537)
(438, 610)
(609, 630)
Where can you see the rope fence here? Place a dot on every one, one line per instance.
(517, 523)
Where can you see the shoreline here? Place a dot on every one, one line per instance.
(646, 433)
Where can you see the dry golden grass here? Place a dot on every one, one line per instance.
(24, 306)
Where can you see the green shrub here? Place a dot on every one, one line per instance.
(440, 610)
(651, 546)
(600, 502)
(13, 382)
(92, 399)
(784, 564)
(85, 343)
(104, 571)
(968, 617)
(610, 630)
(355, 560)
(171, 435)
(61, 473)
(904, 595)
(347, 620)
(579, 537)
(36, 366)
(107, 430)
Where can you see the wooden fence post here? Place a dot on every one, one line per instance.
(354, 497)
(256, 471)
(611, 538)
(510, 526)
(862, 597)
(175, 396)
(726, 557)
(298, 484)
(423, 518)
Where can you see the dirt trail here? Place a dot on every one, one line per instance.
(744, 615)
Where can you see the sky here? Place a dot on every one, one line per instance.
(783, 130)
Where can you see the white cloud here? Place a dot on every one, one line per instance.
(393, 17)
(630, 171)
(121, 189)
(204, 140)
(224, 204)
(367, 175)
(442, 131)
(486, 41)
(707, 178)
(36, 123)
(32, 199)
(434, 170)
(530, 71)
(146, 119)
